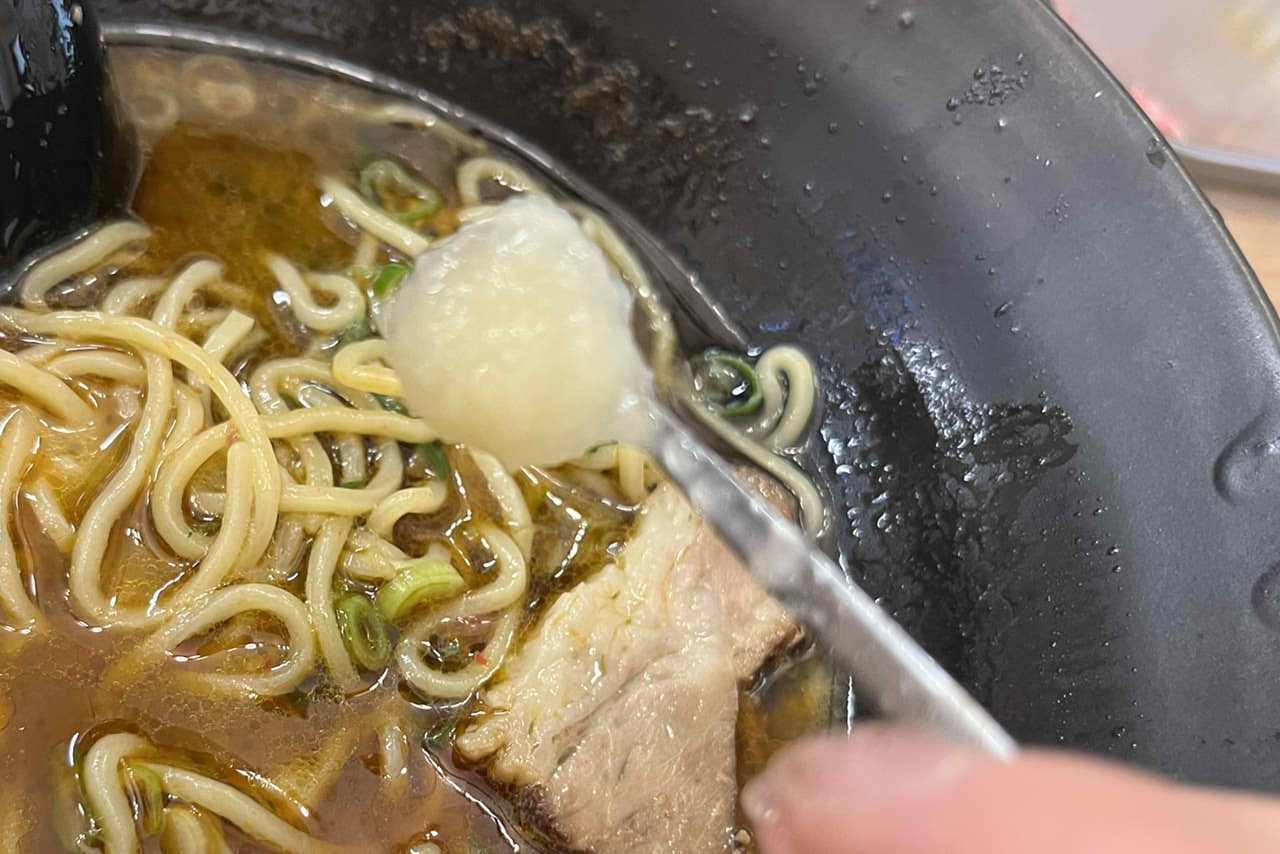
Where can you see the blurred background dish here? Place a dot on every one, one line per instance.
(1208, 75)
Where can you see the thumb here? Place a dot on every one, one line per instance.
(887, 790)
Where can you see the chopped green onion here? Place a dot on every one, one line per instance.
(352, 484)
(299, 698)
(379, 172)
(447, 652)
(389, 403)
(434, 456)
(474, 847)
(147, 793)
(421, 581)
(440, 733)
(741, 401)
(388, 278)
(358, 331)
(363, 631)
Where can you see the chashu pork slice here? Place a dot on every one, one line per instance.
(619, 710)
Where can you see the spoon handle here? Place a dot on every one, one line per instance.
(882, 658)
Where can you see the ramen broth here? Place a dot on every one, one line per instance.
(232, 153)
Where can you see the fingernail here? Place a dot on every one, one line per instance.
(764, 813)
(758, 803)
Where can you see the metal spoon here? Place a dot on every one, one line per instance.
(884, 661)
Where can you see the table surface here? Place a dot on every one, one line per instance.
(1253, 216)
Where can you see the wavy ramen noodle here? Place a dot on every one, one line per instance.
(248, 596)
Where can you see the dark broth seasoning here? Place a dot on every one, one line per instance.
(234, 189)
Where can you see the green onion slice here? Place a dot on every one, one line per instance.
(388, 278)
(434, 456)
(382, 173)
(147, 793)
(389, 403)
(743, 394)
(363, 631)
(358, 331)
(448, 652)
(441, 732)
(421, 581)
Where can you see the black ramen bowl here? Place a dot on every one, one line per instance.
(1050, 433)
